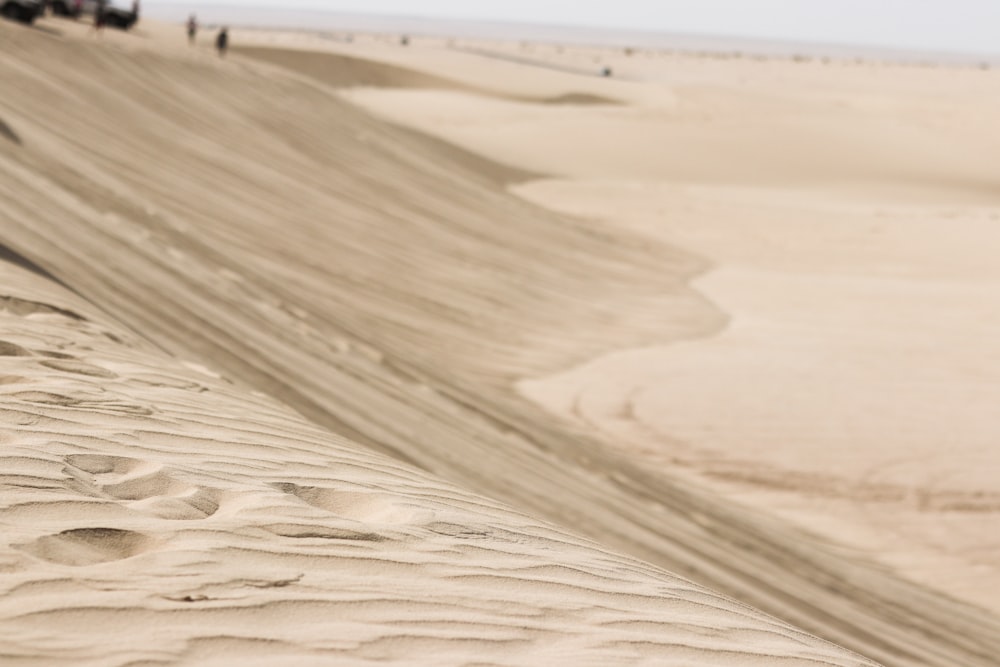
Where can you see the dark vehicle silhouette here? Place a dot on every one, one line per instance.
(116, 15)
(25, 11)
(64, 8)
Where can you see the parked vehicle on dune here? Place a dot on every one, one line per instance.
(116, 15)
(120, 17)
(25, 11)
(65, 8)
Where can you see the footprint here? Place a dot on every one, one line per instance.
(99, 464)
(45, 398)
(106, 403)
(52, 354)
(126, 478)
(24, 307)
(78, 367)
(305, 531)
(197, 503)
(147, 486)
(88, 546)
(8, 349)
(7, 133)
(161, 382)
(144, 486)
(364, 506)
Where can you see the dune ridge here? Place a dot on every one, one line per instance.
(181, 171)
(139, 493)
(343, 71)
(847, 211)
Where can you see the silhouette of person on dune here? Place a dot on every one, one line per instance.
(222, 42)
(100, 16)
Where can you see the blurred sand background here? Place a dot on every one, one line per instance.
(732, 316)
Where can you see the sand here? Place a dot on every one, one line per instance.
(513, 298)
(154, 513)
(857, 287)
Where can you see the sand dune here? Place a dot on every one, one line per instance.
(343, 71)
(786, 214)
(848, 213)
(390, 290)
(155, 513)
(461, 67)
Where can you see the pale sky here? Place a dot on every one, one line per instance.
(971, 26)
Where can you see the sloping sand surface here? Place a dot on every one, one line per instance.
(153, 513)
(343, 71)
(383, 290)
(443, 60)
(346, 72)
(849, 213)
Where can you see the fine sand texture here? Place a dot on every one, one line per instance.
(242, 215)
(153, 513)
(848, 211)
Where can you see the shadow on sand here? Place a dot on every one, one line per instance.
(7, 133)
(12, 257)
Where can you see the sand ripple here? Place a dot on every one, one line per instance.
(215, 526)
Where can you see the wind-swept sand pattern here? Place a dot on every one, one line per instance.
(848, 212)
(154, 513)
(389, 289)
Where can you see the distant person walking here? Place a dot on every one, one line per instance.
(100, 16)
(222, 42)
(192, 29)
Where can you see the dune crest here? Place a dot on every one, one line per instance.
(139, 494)
(388, 293)
(343, 71)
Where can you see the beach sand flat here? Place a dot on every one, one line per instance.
(848, 212)
(242, 216)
